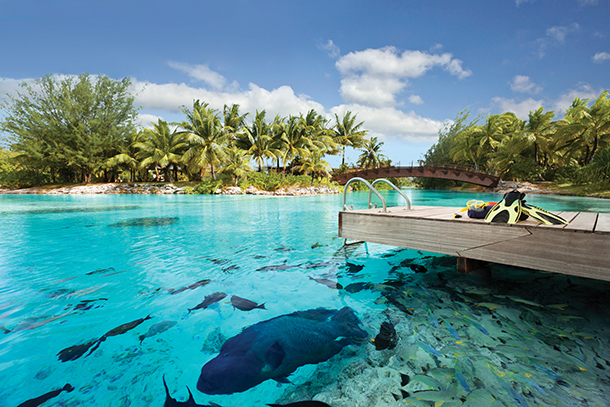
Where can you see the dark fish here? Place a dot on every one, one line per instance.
(386, 338)
(157, 329)
(244, 304)
(327, 282)
(119, 330)
(308, 403)
(283, 249)
(277, 267)
(99, 271)
(319, 264)
(404, 379)
(172, 402)
(199, 283)
(75, 352)
(315, 245)
(47, 396)
(230, 268)
(86, 305)
(275, 348)
(209, 300)
(353, 268)
(218, 262)
(356, 287)
(418, 268)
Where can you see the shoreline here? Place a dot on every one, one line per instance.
(161, 188)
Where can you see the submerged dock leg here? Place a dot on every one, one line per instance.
(473, 267)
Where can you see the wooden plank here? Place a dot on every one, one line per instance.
(584, 255)
(603, 224)
(584, 221)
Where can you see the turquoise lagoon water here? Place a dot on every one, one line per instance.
(74, 267)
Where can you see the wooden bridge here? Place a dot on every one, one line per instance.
(445, 171)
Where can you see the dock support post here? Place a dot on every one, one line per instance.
(473, 267)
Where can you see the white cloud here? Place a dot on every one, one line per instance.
(146, 120)
(200, 73)
(601, 56)
(374, 77)
(523, 84)
(555, 36)
(330, 48)
(520, 109)
(584, 91)
(172, 96)
(10, 86)
(416, 100)
(390, 122)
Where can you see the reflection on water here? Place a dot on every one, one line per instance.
(107, 309)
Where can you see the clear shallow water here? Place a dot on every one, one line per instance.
(74, 267)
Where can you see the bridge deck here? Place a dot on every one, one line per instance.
(581, 248)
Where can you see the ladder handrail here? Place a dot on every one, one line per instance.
(371, 189)
(393, 186)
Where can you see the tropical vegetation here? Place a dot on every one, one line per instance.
(573, 149)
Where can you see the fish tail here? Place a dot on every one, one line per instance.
(262, 306)
(141, 338)
(97, 345)
(148, 317)
(68, 388)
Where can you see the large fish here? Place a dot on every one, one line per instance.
(119, 330)
(275, 348)
(47, 396)
(209, 300)
(172, 402)
(244, 304)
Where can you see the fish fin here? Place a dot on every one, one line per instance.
(190, 396)
(261, 306)
(68, 387)
(349, 322)
(97, 345)
(404, 379)
(282, 379)
(274, 357)
(141, 338)
(168, 397)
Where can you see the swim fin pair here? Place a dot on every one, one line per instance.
(512, 208)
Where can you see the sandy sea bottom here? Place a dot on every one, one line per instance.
(72, 269)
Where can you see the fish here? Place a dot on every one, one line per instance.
(357, 287)
(119, 330)
(172, 402)
(86, 305)
(99, 271)
(157, 329)
(453, 332)
(47, 396)
(275, 348)
(429, 349)
(462, 380)
(199, 283)
(277, 267)
(244, 304)
(319, 264)
(29, 324)
(386, 338)
(315, 245)
(404, 379)
(327, 282)
(146, 222)
(209, 300)
(353, 268)
(307, 403)
(75, 352)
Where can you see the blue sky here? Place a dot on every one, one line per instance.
(404, 67)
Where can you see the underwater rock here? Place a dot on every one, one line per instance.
(213, 341)
(306, 403)
(275, 348)
(144, 222)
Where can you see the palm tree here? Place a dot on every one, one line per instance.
(162, 148)
(236, 164)
(537, 130)
(315, 129)
(585, 130)
(257, 142)
(371, 156)
(206, 138)
(296, 142)
(348, 133)
(233, 122)
(314, 164)
(128, 155)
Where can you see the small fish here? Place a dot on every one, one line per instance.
(116, 272)
(327, 282)
(245, 304)
(157, 329)
(353, 268)
(433, 395)
(308, 403)
(521, 300)
(75, 352)
(278, 267)
(428, 348)
(86, 305)
(172, 402)
(315, 245)
(319, 264)
(209, 300)
(434, 320)
(119, 330)
(386, 338)
(462, 380)
(453, 332)
(199, 283)
(99, 271)
(404, 379)
(47, 396)
(230, 268)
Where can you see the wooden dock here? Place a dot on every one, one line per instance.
(581, 248)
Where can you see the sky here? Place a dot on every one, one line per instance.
(405, 68)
